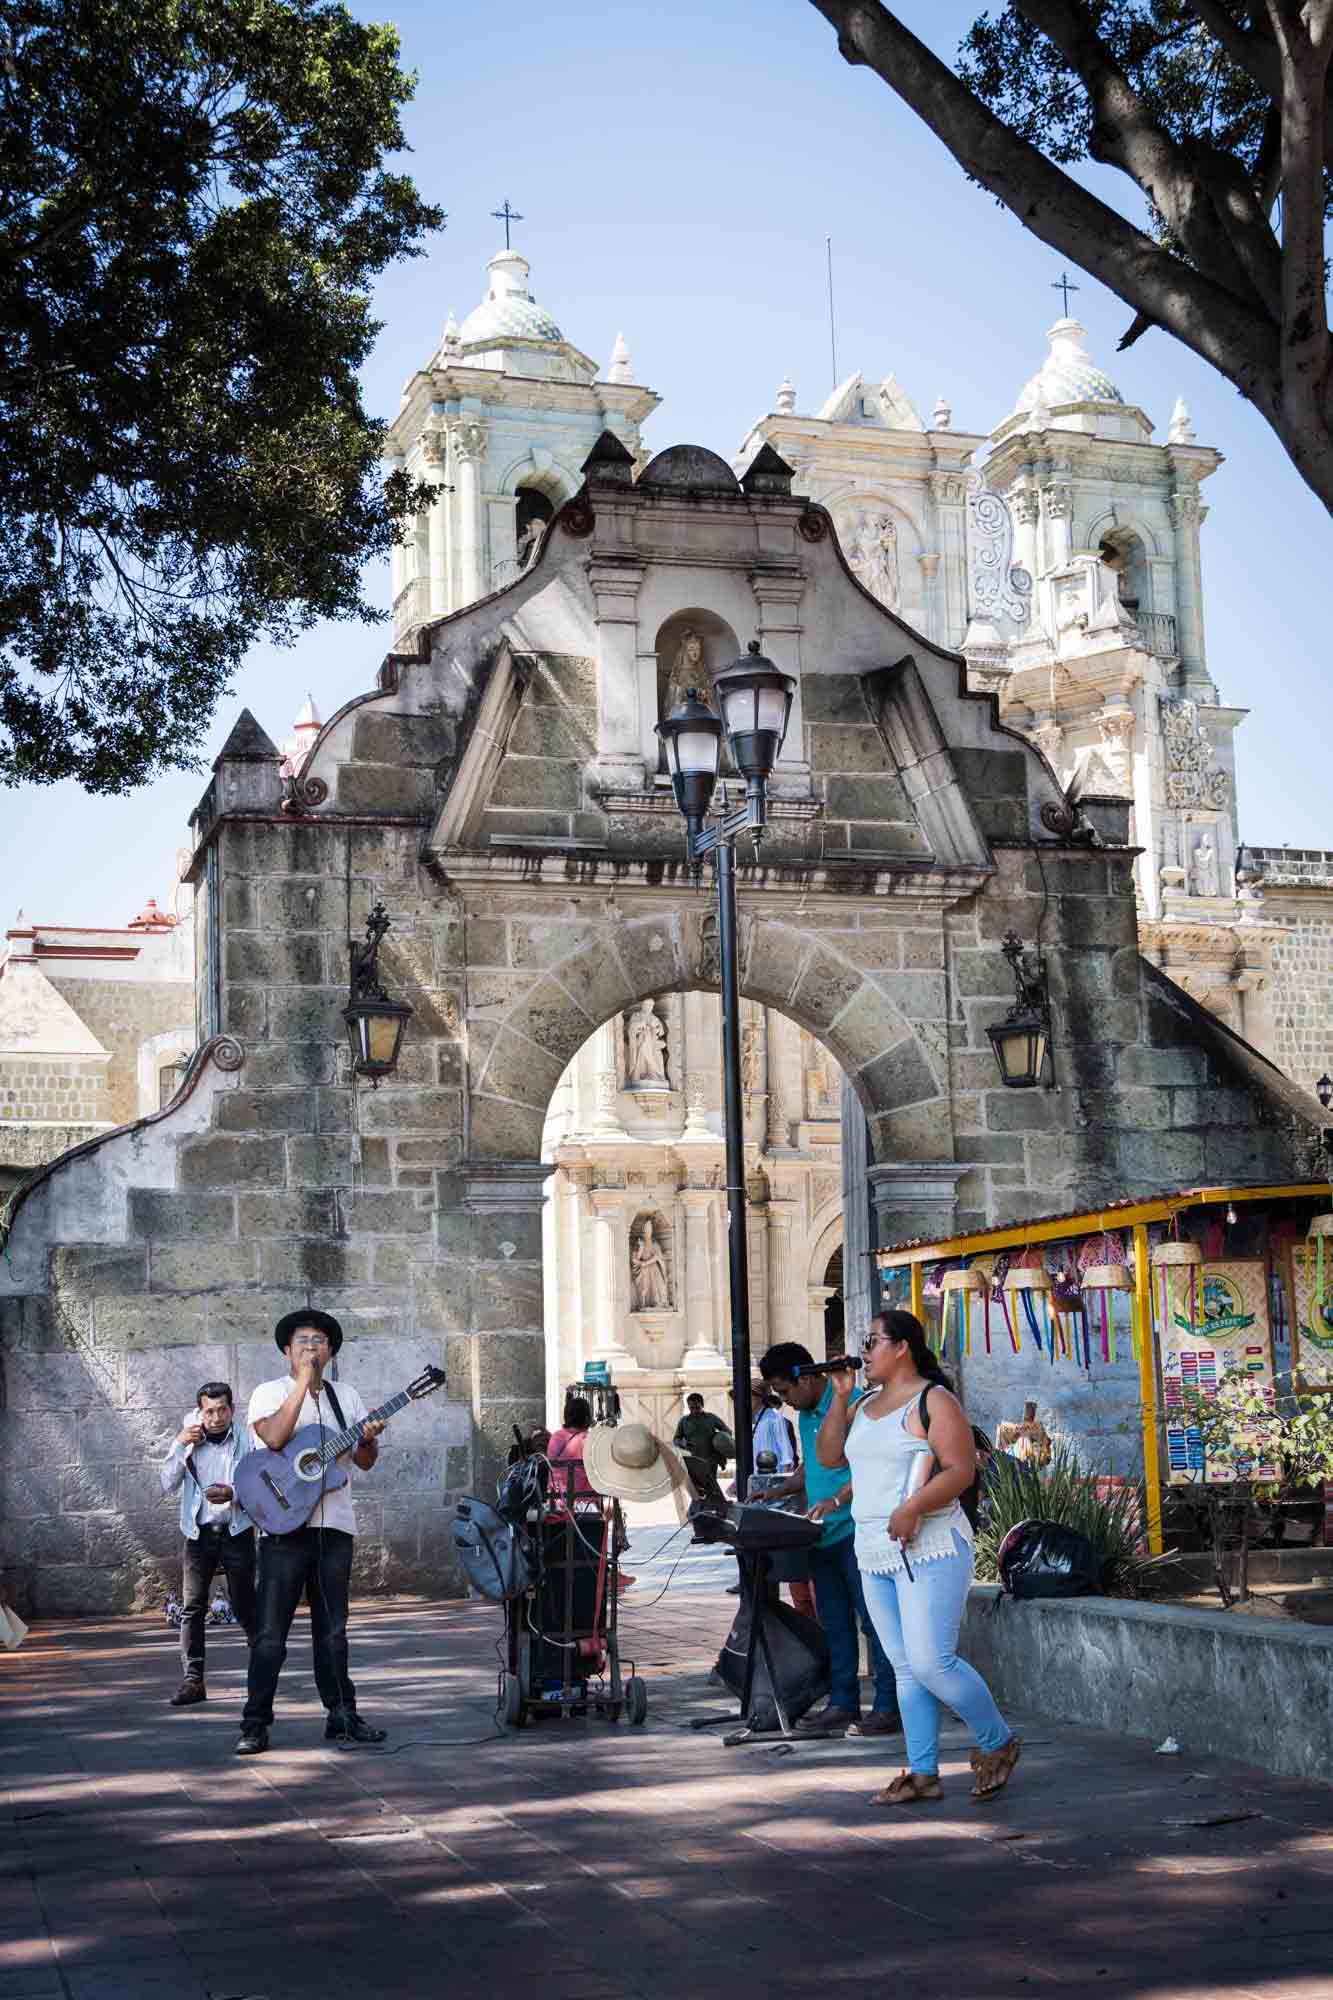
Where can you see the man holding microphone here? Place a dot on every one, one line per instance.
(200, 1467)
(316, 1559)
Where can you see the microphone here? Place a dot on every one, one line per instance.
(833, 1367)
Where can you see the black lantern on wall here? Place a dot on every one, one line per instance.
(375, 1023)
(1022, 1040)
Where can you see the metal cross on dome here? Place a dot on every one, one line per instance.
(1062, 284)
(508, 215)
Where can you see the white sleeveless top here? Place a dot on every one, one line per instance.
(883, 1456)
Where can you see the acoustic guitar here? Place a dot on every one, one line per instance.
(280, 1490)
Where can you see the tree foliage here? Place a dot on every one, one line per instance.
(1216, 110)
(193, 204)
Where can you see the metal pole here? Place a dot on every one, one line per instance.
(737, 1246)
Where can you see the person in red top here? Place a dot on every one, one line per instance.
(565, 1451)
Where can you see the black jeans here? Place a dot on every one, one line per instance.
(217, 1548)
(317, 1561)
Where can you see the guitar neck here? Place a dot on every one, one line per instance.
(346, 1440)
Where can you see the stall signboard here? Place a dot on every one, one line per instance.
(1212, 1323)
(1314, 1314)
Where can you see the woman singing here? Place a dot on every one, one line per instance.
(914, 1548)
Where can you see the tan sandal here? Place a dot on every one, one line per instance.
(992, 1768)
(909, 1788)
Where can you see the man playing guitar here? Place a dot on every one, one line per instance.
(315, 1558)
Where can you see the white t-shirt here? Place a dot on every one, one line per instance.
(335, 1510)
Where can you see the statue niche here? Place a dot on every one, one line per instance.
(645, 1049)
(692, 646)
(650, 1264)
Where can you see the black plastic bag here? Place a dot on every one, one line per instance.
(800, 1659)
(522, 1489)
(1046, 1559)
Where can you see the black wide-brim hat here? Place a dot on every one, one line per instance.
(307, 1316)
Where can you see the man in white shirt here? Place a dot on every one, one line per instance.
(218, 1534)
(315, 1559)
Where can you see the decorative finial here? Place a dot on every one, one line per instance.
(941, 417)
(506, 215)
(1064, 287)
(1182, 428)
(619, 369)
(786, 403)
(449, 341)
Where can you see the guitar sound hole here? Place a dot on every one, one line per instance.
(308, 1465)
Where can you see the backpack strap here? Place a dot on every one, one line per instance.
(923, 1408)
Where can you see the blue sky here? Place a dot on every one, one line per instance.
(678, 169)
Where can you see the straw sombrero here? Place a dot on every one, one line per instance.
(627, 1462)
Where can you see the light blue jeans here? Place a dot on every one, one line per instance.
(917, 1623)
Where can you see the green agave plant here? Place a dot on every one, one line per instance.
(1064, 1491)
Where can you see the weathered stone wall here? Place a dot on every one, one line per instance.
(123, 1013)
(1298, 893)
(51, 1090)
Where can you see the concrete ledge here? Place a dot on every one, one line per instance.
(1257, 1689)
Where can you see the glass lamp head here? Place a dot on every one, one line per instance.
(693, 738)
(755, 699)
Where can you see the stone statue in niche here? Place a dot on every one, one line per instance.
(752, 1059)
(1205, 867)
(645, 1049)
(689, 670)
(873, 556)
(650, 1282)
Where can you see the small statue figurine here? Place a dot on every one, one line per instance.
(645, 1047)
(649, 1281)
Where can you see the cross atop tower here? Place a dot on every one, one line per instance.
(508, 215)
(1061, 284)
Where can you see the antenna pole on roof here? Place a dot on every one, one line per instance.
(832, 336)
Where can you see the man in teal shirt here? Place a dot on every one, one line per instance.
(833, 1570)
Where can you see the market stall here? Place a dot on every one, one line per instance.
(1109, 1321)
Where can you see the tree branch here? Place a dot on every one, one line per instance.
(1233, 336)
(1127, 136)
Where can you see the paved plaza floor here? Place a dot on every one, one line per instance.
(142, 1860)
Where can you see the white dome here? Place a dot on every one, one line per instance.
(508, 312)
(1068, 375)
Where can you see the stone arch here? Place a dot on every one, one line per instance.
(825, 1239)
(544, 473)
(1125, 549)
(885, 1028)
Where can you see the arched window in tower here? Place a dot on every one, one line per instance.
(533, 515)
(1122, 551)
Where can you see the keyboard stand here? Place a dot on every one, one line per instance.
(754, 1577)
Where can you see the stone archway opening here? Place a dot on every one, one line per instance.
(634, 1226)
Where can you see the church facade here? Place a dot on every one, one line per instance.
(497, 790)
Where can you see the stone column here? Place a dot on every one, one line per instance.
(1186, 515)
(817, 1297)
(948, 493)
(619, 762)
(611, 1280)
(859, 1291)
(1057, 506)
(912, 1199)
(436, 594)
(606, 1080)
(930, 590)
(468, 440)
(782, 1281)
(701, 1332)
(778, 595)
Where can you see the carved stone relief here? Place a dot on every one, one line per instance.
(1192, 778)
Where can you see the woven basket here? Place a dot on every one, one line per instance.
(1107, 1278)
(1178, 1255)
(1321, 1225)
(963, 1281)
(1028, 1278)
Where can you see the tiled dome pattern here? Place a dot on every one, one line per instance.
(1068, 375)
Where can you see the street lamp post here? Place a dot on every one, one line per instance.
(755, 700)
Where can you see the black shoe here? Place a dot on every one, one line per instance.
(345, 1726)
(253, 1739)
(189, 1692)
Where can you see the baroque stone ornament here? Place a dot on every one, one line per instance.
(1058, 502)
(872, 556)
(303, 795)
(812, 526)
(996, 585)
(226, 1052)
(1192, 778)
(577, 518)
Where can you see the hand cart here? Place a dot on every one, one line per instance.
(562, 1651)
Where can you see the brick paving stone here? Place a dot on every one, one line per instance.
(141, 1861)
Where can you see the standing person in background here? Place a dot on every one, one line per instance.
(912, 1458)
(833, 1572)
(218, 1534)
(706, 1444)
